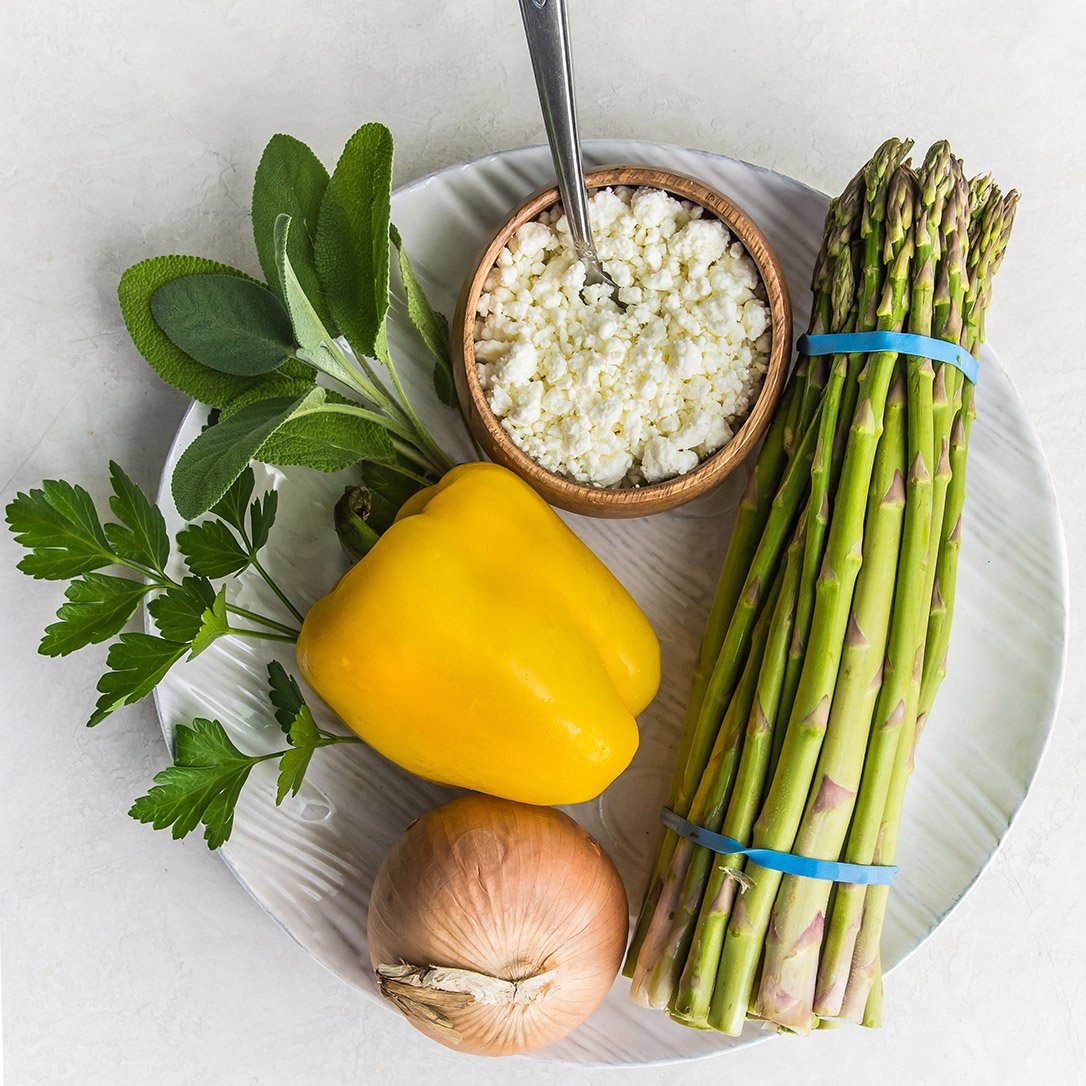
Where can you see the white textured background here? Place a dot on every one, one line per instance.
(129, 129)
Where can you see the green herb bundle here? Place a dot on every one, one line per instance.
(298, 368)
(297, 372)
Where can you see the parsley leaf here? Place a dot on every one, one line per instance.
(141, 536)
(60, 526)
(136, 662)
(99, 605)
(209, 772)
(285, 695)
(213, 624)
(305, 738)
(179, 612)
(261, 518)
(202, 785)
(232, 505)
(212, 550)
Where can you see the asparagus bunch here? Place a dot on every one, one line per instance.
(827, 637)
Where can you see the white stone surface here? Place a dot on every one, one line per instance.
(130, 129)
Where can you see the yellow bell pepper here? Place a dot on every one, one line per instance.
(482, 645)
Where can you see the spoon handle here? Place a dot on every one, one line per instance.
(546, 27)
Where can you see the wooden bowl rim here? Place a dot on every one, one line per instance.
(669, 493)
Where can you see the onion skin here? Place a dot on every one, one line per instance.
(506, 891)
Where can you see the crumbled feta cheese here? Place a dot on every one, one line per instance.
(662, 459)
(611, 396)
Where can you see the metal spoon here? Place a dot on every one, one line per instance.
(546, 26)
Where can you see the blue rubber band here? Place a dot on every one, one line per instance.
(901, 342)
(829, 870)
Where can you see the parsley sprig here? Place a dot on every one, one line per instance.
(66, 539)
(60, 527)
(209, 771)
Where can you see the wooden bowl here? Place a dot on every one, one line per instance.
(652, 497)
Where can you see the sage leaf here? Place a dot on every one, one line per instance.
(205, 470)
(327, 441)
(352, 246)
(290, 180)
(444, 385)
(230, 324)
(293, 387)
(138, 285)
(314, 338)
(432, 327)
(308, 327)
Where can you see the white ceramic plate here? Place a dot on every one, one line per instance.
(310, 863)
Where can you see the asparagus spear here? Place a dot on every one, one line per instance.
(872, 1018)
(865, 956)
(691, 1002)
(794, 938)
(992, 216)
(791, 421)
(777, 824)
(835, 424)
(672, 924)
(792, 950)
(950, 304)
(778, 466)
(835, 284)
(699, 737)
(869, 294)
(894, 712)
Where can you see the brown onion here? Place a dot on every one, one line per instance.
(496, 927)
